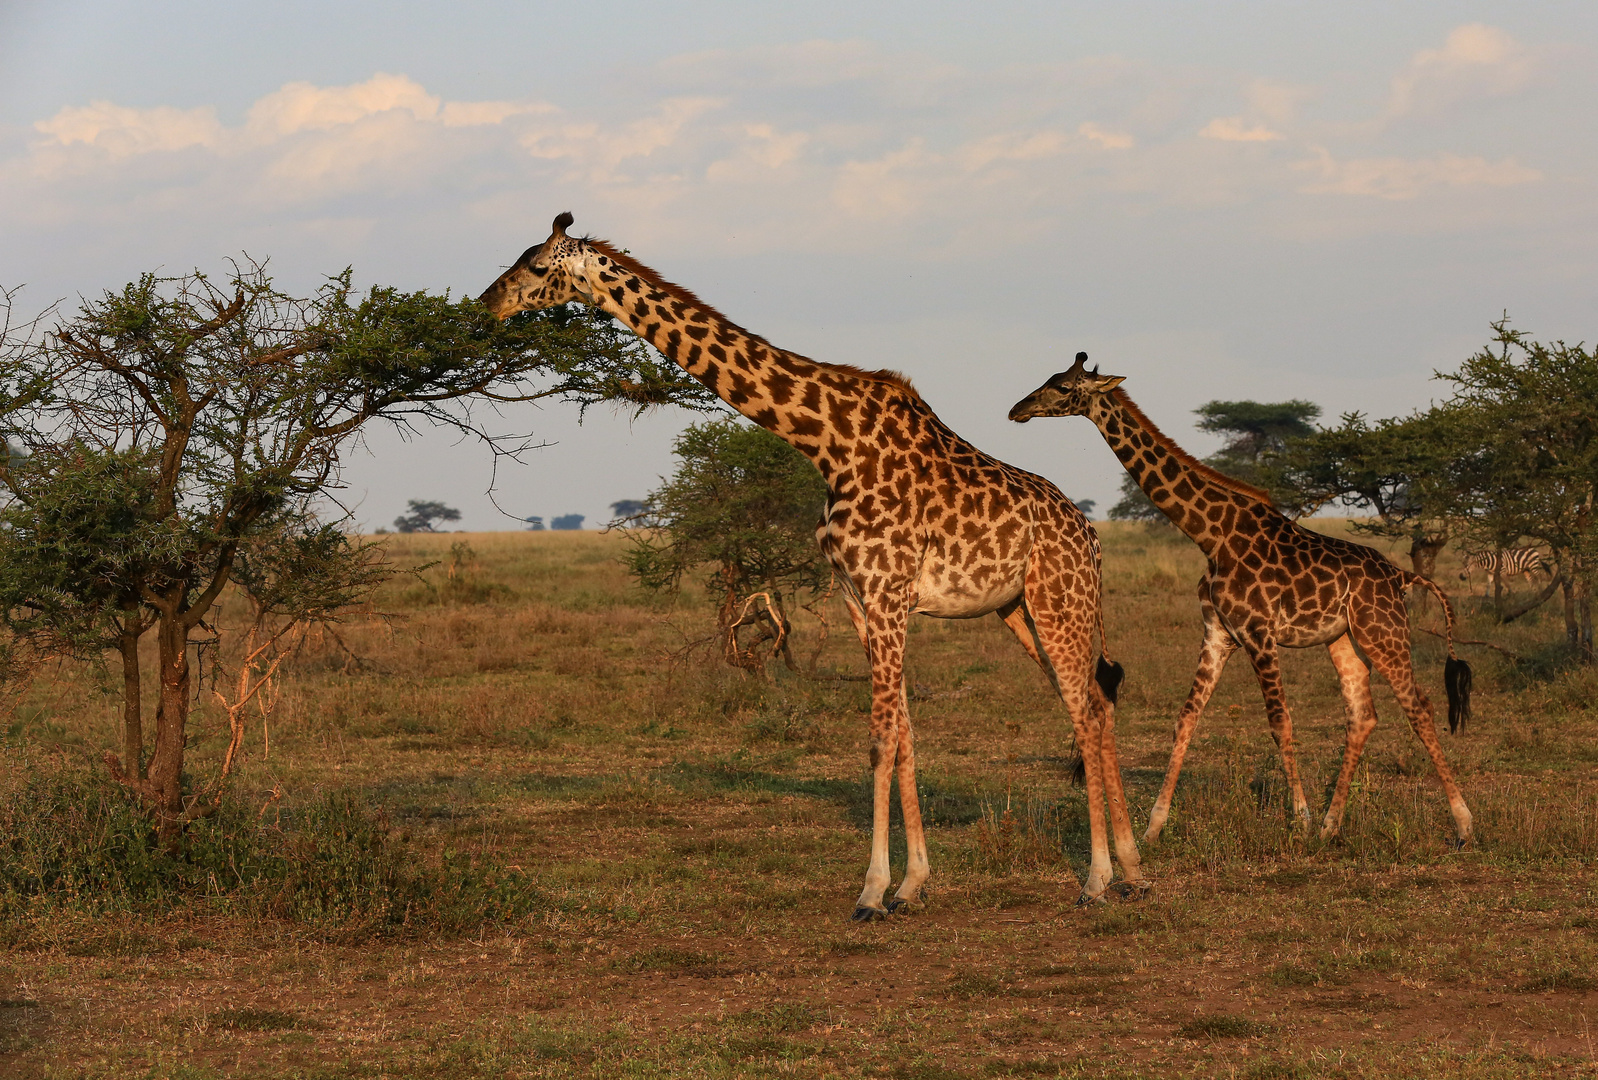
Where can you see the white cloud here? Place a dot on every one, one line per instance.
(300, 106)
(1475, 61)
(1110, 140)
(763, 151)
(596, 152)
(481, 113)
(121, 131)
(1405, 178)
(1236, 129)
(1012, 147)
(766, 160)
(1275, 101)
(888, 188)
(298, 143)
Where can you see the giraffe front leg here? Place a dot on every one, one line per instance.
(885, 627)
(869, 906)
(1218, 647)
(1261, 648)
(915, 837)
(1356, 682)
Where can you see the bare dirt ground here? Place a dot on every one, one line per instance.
(696, 839)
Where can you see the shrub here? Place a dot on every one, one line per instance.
(69, 841)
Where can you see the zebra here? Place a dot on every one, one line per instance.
(1524, 561)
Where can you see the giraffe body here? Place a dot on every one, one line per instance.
(1270, 584)
(917, 520)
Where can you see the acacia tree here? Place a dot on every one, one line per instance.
(1396, 468)
(1525, 428)
(423, 513)
(1256, 432)
(741, 511)
(170, 429)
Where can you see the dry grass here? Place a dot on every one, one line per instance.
(697, 837)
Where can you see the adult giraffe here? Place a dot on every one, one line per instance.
(1270, 584)
(917, 520)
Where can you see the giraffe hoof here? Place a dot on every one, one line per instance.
(900, 906)
(1132, 890)
(1087, 901)
(1460, 842)
(868, 914)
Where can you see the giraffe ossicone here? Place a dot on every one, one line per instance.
(1271, 584)
(917, 521)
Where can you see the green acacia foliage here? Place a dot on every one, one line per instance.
(1257, 428)
(1523, 426)
(177, 437)
(1511, 454)
(740, 512)
(1397, 468)
(1256, 433)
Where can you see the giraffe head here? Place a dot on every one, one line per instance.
(1070, 393)
(547, 275)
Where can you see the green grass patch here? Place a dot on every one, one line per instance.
(1222, 1026)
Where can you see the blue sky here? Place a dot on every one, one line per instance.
(1238, 200)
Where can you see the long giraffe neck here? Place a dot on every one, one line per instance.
(807, 404)
(1199, 500)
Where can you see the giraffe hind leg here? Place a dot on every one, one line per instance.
(1389, 652)
(1356, 685)
(1065, 639)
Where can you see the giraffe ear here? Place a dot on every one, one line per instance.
(563, 221)
(1103, 384)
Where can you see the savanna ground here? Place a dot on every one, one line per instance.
(686, 842)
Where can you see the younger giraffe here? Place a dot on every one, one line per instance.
(1270, 585)
(917, 520)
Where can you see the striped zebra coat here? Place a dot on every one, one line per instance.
(1498, 565)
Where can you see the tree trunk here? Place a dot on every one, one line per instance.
(1567, 585)
(132, 717)
(1535, 602)
(171, 718)
(1498, 591)
(1423, 550)
(1584, 645)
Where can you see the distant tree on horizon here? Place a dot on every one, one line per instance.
(567, 522)
(423, 514)
(623, 510)
(1256, 431)
(534, 523)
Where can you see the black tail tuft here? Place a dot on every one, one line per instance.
(1456, 680)
(1079, 771)
(1109, 675)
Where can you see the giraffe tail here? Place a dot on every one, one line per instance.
(1457, 676)
(1108, 674)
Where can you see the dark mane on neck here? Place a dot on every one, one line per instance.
(1189, 462)
(627, 262)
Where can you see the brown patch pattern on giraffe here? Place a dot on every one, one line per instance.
(917, 520)
(1270, 584)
